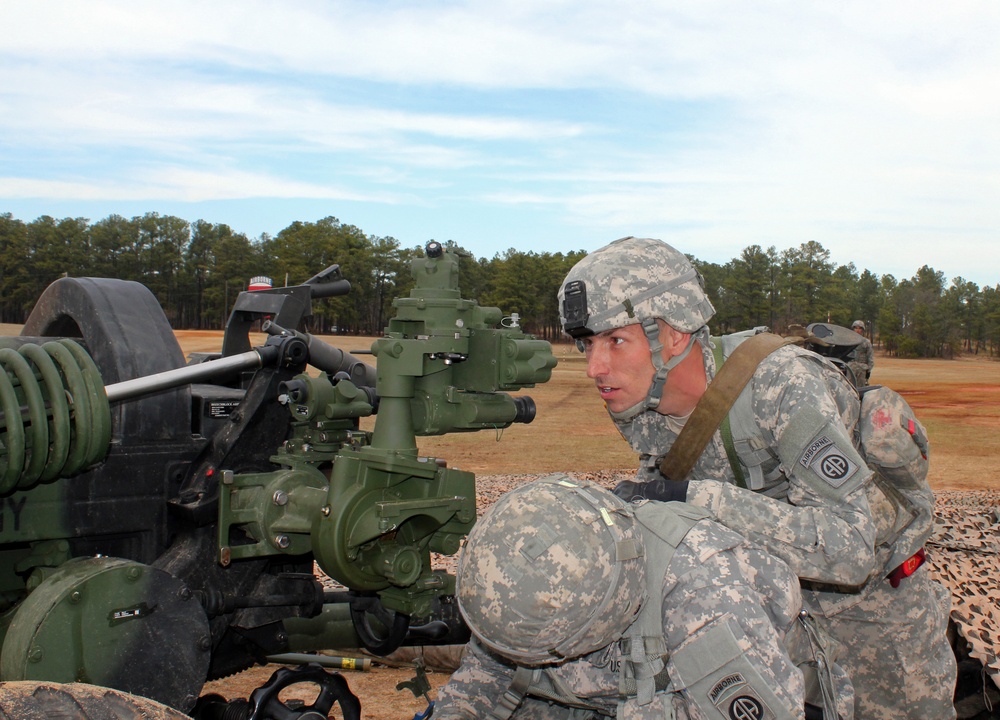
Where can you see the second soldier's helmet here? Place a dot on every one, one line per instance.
(631, 280)
(858, 324)
(554, 570)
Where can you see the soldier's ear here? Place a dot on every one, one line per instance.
(674, 341)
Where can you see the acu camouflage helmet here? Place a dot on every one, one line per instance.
(554, 570)
(637, 281)
(629, 281)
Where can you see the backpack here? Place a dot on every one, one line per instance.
(888, 435)
(894, 444)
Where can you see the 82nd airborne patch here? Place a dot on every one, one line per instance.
(824, 458)
(736, 699)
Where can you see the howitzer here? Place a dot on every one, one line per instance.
(154, 510)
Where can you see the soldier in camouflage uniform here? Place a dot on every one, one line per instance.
(582, 606)
(638, 309)
(862, 358)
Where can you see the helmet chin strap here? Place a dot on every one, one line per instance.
(652, 399)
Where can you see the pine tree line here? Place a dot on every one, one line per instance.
(197, 269)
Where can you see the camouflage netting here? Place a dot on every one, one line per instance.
(964, 554)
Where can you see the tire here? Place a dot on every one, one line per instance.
(127, 334)
(31, 700)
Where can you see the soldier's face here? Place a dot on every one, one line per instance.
(619, 363)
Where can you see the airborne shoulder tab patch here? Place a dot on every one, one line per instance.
(816, 451)
(825, 459)
(734, 697)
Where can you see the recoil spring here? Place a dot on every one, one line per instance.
(55, 420)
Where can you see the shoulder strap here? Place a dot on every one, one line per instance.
(729, 381)
(644, 648)
(511, 700)
(726, 427)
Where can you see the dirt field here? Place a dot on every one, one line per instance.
(958, 401)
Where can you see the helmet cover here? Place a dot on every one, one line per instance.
(553, 570)
(631, 280)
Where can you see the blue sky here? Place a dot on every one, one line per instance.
(546, 125)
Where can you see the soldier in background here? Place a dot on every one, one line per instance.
(862, 359)
(583, 606)
(638, 309)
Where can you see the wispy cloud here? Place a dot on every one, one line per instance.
(719, 124)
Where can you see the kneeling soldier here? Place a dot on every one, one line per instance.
(584, 606)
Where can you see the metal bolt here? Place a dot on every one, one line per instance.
(280, 497)
(225, 557)
(326, 510)
(35, 654)
(204, 643)
(282, 541)
(75, 596)
(184, 593)
(133, 573)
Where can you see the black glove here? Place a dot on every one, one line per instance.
(663, 490)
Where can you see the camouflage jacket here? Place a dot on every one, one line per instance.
(862, 360)
(716, 582)
(818, 519)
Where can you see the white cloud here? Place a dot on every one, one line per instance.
(771, 122)
(183, 185)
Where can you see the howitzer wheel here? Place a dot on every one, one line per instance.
(127, 334)
(121, 322)
(29, 700)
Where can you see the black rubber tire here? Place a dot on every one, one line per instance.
(32, 700)
(127, 333)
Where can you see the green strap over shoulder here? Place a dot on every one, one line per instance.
(730, 379)
(644, 648)
(511, 700)
(726, 431)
